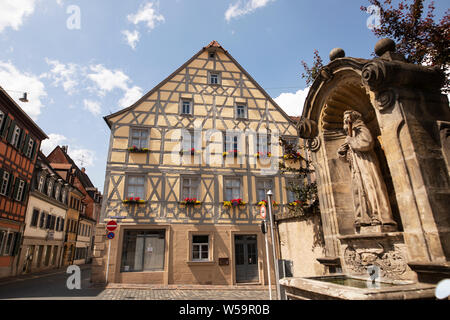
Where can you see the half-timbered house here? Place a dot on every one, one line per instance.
(20, 139)
(187, 168)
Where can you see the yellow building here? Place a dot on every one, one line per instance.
(205, 136)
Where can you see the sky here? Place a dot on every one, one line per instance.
(80, 60)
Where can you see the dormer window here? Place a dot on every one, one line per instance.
(50, 188)
(41, 183)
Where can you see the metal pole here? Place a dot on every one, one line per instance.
(272, 233)
(268, 260)
(107, 264)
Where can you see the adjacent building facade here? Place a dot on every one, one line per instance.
(43, 243)
(20, 139)
(84, 207)
(187, 168)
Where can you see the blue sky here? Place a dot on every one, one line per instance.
(80, 60)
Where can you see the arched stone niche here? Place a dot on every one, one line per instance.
(337, 90)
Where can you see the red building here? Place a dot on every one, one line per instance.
(20, 140)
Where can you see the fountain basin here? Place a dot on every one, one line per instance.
(345, 287)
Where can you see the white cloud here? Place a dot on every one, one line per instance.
(108, 80)
(82, 157)
(292, 103)
(92, 106)
(53, 140)
(242, 8)
(131, 96)
(131, 37)
(16, 82)
(147, 14)
(13, 12)
(63, 74)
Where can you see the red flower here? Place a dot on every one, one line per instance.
(137, 199)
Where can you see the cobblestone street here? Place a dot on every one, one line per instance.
(183, 294)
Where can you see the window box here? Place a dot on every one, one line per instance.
(191, 201)
(291, 156)
(263, 155)
(295, 204)
(264, 203)
(135, 200)
(135, 149)
(233, 153)
(192, 152)
(234, 203)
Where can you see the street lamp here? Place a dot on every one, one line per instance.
(275, 260)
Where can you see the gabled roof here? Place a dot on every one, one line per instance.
(213, 44)
(83, 177)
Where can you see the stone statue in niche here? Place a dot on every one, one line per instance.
(370, 197)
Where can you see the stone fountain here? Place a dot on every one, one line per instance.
(378, 134)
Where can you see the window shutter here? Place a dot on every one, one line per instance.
(17, 244)
(25, 191)
(5, 126)
(24, 146)
(16, 188)
(33, 153)
(19, 142)
(1, 176)
(10, 183)
(11, 131)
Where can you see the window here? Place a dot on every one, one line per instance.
(57, 224)
(2, 240)
(139, 138)
(200, 248)
(34, 218)
(232, 142)
(57, 192)
(42, 220)
(9, 243)
(292, 141)
(263, 143)
(61, 225)
(214, 77)
(29, 149)
(186, 106)
(262, 187)
(20, 190)
(291, 197)
(232, 189)
(2, 117)
(63, 198)
(48, 221)
(241, 111)
(143, 250)
(190, 188)
(188, 140)
(136, 187)
(16, 136)
(212, 55)
(5, 182)
(41, 183)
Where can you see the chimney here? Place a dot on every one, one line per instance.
(64, 148)
(83, 170)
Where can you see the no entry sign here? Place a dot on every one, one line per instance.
(262, 212)
(111, 226)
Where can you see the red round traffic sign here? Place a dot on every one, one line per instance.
(262, 212)
(111, 226)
